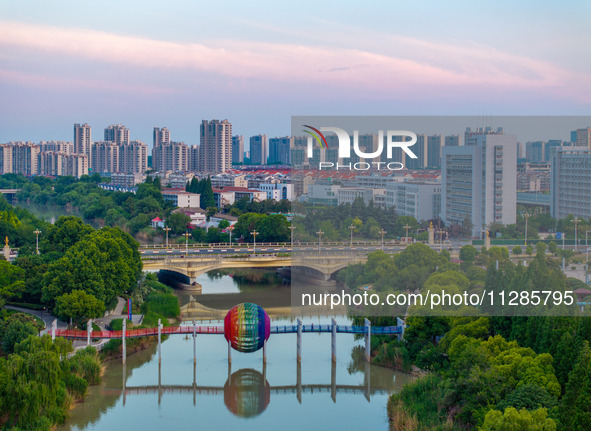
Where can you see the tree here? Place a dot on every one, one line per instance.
(178, 222)
(468, 253)
(514, 420)
(66, 232)
(206, 191)
(223, 224)
(529, 250)
(575, 412)
(517, 250)
(78, 306)
(15, 331)
(552, 247)
(105, 264)
(12, 280)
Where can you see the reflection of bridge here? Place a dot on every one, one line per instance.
(194, 265)
(250, 388)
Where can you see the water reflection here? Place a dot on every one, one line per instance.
(247, 393)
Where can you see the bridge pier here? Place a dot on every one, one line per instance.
(264, 353)
(194, 383)
(53, 329)
(159, 345)
(367, 381)
(159, 383)
(367, 340)
(88, 331)
(299, 342)
(402, 325)
(124, 348)
(334, 340)
(229, 355)
(124, 384)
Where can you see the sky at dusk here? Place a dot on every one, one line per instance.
(257, 63)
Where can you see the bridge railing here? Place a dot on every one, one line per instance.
(182, 246)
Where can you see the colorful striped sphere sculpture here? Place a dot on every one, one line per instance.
(247, 326)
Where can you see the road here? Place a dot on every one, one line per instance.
(43, 315)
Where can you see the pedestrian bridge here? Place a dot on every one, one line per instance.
(193, 266)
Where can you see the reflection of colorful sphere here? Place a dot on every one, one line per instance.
(247, 393)
(247, 326)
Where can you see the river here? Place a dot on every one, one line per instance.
(317, 395)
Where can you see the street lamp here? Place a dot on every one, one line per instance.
(230, 229)
(407, 227)
(383, 232)
(319, 233)
(576, 221)
(187, 235)
(167, 229)
(292, 228)
(526, 216)
(587, 247)
(352, 227)
(37, 232)
(441, 231)
(254, 234)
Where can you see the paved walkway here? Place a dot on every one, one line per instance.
(43, 315)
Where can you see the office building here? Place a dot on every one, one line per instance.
(479, 181)
(82, 139)
(570, 184)
(420, 200)
(582, 137)
(215, 149)
(238, 149)
(258, 150)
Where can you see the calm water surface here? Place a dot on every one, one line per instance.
(317, 395)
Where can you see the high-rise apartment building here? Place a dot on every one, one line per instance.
(279, 150)
(452, 141)
(215, 149)
(5, 159)
(161, 136)
(82, 139)
(117, 133)
(570, 182)
(478, 180)
(171, 156)
(58, 147)
(238, 149)
(420, 150)
(25, 158)
(58, 164)
(583, 137)
(434, 145)
(193, 165)
(105, 157)
(133, 158)
(258, 150)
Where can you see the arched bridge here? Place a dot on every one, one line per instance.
(193, 266)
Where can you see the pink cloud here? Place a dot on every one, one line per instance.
(413, 66)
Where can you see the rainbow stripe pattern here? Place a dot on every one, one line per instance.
(318, 136)
(247, 326)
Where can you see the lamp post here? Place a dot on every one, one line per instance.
(383, 232)
(230, 229)
(319, 233)
(587, 247)
(292, 228)
(167, 229)
(526, 216)
(37, 232)
(576, 221)
(407, 227)
(254, 234)
(187, 235)
(441, 239)
(352, 227)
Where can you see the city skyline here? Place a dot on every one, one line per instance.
(254, 66)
